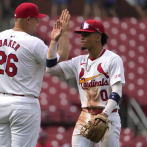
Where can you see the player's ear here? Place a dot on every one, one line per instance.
(98, 36)
(28, 19)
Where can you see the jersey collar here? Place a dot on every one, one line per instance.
(92, 59)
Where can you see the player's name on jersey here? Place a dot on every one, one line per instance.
(94, 83)
(9, 43)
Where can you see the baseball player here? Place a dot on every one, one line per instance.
(100, 78)
(22, 65)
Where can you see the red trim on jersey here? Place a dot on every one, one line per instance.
(102, 52)
(92, 59)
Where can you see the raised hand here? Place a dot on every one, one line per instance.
(65, 20)
(57, 31)
(63, 49)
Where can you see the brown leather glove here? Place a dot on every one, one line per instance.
(95, 132)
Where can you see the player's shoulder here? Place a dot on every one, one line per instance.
(33, 38)
(21, 36)
(5, 32)
(80, 57)
(31, 41)
(113, 57)
(111, 53)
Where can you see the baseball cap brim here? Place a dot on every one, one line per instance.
(39, 15)
(91, 26)
(85, 27)
(81, 30)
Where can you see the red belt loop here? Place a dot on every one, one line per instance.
(97, 110)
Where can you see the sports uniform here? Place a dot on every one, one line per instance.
(97, 79)
(95, 86)
(22, 65)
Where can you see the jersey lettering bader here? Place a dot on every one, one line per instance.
(95, 78)
(22, 62)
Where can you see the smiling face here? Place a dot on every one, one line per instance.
(89, 40)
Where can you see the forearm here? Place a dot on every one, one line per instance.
(113, 98)
(63, 49)
(52, 52)
(117, 87)
(55, 70)
(52, 66)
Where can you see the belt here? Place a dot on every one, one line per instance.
(97, 110)
(15, 94)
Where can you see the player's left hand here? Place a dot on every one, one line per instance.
(65, 20)
(98, 120)
(57, 31)
(95, 132)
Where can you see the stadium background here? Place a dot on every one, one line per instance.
(59, 99)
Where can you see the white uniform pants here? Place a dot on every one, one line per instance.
(19, 121)
(111, 138)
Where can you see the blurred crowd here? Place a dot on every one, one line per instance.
(140, 6)
(100, 8)
(96, 8)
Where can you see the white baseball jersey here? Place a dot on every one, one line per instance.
(95, 78)
(22, 63)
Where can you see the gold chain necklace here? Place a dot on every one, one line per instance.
(92, 62)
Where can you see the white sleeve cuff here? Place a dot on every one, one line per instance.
(111, 105)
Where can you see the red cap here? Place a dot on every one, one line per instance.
(25, 10)
(91, 26)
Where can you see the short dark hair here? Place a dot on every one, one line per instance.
(104, 39)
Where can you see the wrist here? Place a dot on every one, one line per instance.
(51, 62)
(65, 33)
(104, 114)
(52, 52)
(53, 41)
(111, 105)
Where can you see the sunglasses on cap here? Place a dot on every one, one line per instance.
(86, 25)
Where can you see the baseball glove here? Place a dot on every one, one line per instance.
(95, 132)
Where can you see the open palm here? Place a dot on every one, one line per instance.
(65, 20)
(57, 31)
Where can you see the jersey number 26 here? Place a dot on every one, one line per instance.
(9, 66)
